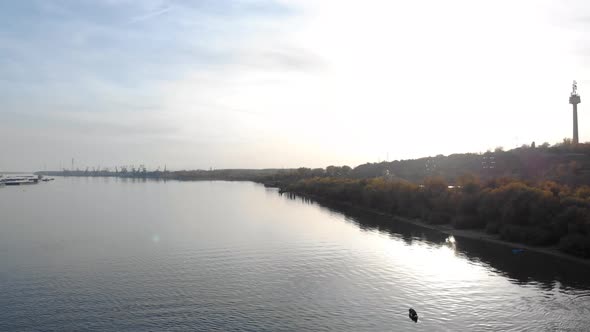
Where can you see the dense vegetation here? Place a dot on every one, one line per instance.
(540, 214)
(563, 163)
(536, 195)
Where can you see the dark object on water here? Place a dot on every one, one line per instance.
(413, 315)
(517, 251)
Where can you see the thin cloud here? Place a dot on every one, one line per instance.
(290, 59)
(150, 15)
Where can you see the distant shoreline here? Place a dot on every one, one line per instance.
(445, 229)
(464, 233)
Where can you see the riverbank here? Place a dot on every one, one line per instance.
(449, 230)
(483, 236)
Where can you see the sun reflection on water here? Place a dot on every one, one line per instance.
(439, 263)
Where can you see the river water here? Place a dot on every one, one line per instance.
(106, 254)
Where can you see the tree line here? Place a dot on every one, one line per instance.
(539, 214)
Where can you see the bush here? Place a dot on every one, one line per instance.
(529, 235)
(513, 233)
(438, 218)
(464, 222)
(541, 237)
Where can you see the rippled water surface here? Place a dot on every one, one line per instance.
(119, 255)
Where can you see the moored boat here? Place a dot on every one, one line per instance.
(19, 180)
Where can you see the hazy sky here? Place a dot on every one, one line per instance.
(252, 84)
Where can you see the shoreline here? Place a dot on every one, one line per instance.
(491, 238)
(449, 230)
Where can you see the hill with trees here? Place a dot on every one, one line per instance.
(564, 163)
(537, 196)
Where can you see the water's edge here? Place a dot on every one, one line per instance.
(448, 230)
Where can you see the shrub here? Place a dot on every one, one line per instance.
(464, 222)
(513, 233)
(438, 218)
(529, 235)
(541, 237)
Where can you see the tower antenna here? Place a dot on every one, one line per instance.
(575, 100)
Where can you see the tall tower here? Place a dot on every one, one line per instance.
(575, 100)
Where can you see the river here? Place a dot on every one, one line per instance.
(109, 254)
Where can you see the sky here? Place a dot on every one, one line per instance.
(284, 83)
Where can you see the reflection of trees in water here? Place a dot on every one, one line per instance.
(528, 266)
(521, 268)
